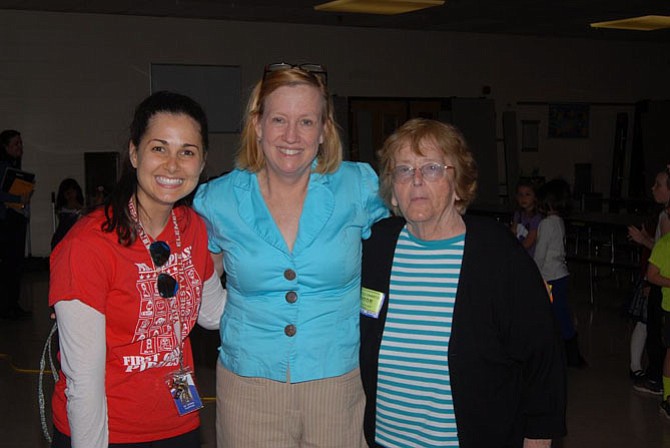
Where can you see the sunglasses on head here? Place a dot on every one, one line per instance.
(316, 70)
(160, 254)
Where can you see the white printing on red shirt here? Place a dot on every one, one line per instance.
(159, 345)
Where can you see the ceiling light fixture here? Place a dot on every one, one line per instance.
(386, 7)
(643, 23)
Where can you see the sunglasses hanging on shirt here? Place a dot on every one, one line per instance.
(160, 254)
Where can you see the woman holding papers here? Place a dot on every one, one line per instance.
(13, 225)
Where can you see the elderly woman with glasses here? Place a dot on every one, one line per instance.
(458, 343)
(127, 283)
(288, 224)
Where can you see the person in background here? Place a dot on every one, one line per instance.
(99, 196)
(526, 218)
(13, 229)
(458, 343)
(647, 332)
(288, 224)
(658, 273)
(128, 282)
(553, 202)
(69, 203)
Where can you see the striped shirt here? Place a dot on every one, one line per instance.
(414, 403)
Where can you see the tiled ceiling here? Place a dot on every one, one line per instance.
(557, 18)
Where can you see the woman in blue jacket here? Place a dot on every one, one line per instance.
(287, 225)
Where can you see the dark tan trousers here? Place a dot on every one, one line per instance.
(261, 413)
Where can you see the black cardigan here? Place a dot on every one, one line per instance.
(506, 361)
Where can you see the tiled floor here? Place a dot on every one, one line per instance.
(603, 410)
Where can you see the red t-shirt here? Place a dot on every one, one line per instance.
(120, 282)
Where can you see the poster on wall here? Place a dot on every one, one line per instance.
(568, 120)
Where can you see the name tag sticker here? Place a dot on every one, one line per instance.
(371, 302)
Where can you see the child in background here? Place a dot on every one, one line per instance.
(69, 203)
(99, 195)
(553, 201)
(526, 218)
(658, 273)
(648, 328)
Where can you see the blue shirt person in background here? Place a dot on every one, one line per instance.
(288, 224)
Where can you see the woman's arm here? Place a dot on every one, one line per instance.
(542, 244)
(530, 239)
(212, 304)
(371, 202)
(81, 334)
(6, 196)
(513, 223)
(218, 262)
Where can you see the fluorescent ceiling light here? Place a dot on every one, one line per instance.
(388, 7)
(644, 23)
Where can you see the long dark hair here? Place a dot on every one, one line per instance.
(5, 137)
(554, 196)
(66, 185)
(117, 215)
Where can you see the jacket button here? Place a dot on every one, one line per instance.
(291, 297)
(289, 274)
(290, 330)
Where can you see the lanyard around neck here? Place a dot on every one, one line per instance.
(172, 301)
(143, 235)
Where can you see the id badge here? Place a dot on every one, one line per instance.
(183, 391)
(371, 302)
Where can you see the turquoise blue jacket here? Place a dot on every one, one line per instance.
(300, 308)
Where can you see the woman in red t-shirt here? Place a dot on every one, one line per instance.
(127, 283)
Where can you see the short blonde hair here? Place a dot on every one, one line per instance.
(250, 155)
(446, 138)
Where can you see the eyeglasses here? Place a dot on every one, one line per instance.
(317, 70)
(160, 254)
(430, 172)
